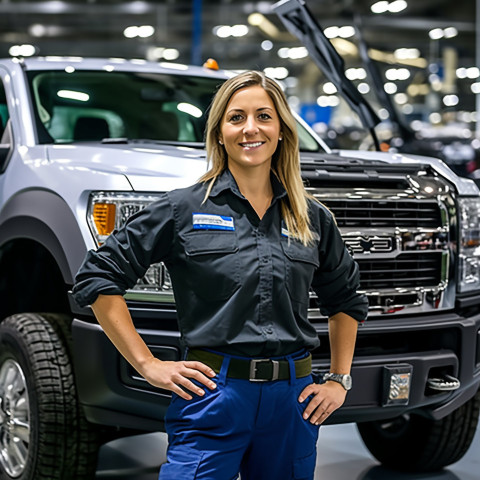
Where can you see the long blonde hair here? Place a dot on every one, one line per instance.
(285, 160)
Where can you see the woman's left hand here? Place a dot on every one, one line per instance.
(327, 397)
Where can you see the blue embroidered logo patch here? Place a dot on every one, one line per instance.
(210, 221)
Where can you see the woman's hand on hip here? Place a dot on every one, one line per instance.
(175, 376)
(327, 397)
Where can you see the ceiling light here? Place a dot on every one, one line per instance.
(145, 31)
(475, 87)
(278, 73)
(346, 31)
(25, 50)
(130, 32)
(406, 53)
(297, 52)
(397, 6)
(450, 100)
(450, 32)
(379, 7)
(473, 72)
(329, 88)
(390, 88)
(363, 88)
(436, 34)
(266, 45)
(331, 32)
(239, 30)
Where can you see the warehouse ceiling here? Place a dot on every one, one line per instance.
(248, 35)
(96, 28)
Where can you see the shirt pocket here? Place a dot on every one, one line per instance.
(214, 271)
(300, 264)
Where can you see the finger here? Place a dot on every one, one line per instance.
(319, 416)
(181, 393)
(186, 383)
(201, 367)
(306, 392)
(200, 377)
(314, 404)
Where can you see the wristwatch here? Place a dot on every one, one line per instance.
(344, 380)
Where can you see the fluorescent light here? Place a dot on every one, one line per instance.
(72, 95)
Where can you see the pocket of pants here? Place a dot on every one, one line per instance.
(304, 468)
(182, 463)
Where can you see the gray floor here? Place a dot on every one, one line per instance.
(341, 456)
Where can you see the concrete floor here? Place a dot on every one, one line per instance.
(341, 456)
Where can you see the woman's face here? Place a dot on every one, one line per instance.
(250, 128)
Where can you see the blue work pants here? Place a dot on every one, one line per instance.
(252, 428)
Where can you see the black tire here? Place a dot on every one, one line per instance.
(54, 440)
(413, 443)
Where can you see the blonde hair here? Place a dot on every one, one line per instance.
(285, 160)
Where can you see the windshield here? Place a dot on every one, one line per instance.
(97, 105)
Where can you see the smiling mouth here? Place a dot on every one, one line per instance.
(251, 144)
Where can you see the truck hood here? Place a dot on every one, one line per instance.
(149, 167)
(464, 186)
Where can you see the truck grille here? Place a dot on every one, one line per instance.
(407, 270)
(386, 213)
(401, 242)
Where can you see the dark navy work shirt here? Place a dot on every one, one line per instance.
(241, 284)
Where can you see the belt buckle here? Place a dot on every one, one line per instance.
(253, 370)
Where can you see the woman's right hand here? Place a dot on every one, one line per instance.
(175, 376)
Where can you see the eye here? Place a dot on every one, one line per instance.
(236, 117)
(264, 116)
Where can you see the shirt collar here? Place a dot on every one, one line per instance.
(226, 181)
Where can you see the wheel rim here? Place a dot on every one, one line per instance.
(14, 419)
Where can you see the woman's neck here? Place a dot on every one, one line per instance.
(255, 185)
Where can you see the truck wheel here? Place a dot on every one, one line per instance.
(417, 444)
(43, 433)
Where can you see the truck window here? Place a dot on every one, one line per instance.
(93, 105)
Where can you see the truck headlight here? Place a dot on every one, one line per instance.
(108, 211)
(469, 245)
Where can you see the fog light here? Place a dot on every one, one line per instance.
(396, 384)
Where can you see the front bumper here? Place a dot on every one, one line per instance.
(112, 393)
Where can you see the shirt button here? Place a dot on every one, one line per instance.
(265, 261)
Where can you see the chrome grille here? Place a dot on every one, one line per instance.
(401, 241)
(386, 213)
(406, 270)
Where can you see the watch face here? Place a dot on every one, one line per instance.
(347, 382)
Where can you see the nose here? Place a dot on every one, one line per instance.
(250, 127)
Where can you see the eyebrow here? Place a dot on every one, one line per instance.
(257, 110)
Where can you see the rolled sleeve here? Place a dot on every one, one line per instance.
(337, 279)
(146, 238)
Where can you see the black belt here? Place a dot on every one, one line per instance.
(255, 370)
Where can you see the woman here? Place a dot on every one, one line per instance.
(243, 246)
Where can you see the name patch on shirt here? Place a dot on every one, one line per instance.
(210, 221)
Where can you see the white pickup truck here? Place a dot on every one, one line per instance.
(85, 143)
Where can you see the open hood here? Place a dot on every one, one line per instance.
(299, 21)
